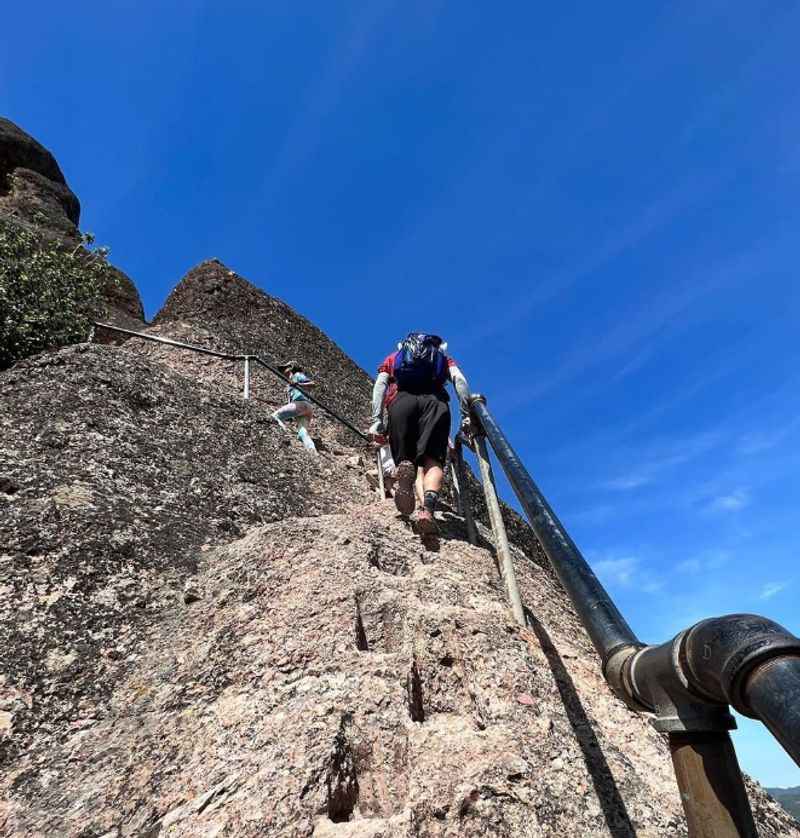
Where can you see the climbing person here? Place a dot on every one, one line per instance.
(411, 386)
(299, 407)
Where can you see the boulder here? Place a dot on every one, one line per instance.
(35, 194)
(32, 187)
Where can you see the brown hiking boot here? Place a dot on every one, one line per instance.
(404, 498)
(425, 523)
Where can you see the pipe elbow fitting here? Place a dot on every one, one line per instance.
(718, 655)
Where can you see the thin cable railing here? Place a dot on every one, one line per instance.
(246, 360)
(689, 682)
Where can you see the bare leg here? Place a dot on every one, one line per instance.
(419, 489)
(288, 411)
(432, 475)
(304, 436)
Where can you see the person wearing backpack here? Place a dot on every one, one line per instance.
(299, 407)
(411, 386)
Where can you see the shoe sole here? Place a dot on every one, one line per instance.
(404, 497)
(426, 526)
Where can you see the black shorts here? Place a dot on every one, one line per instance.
(419, 427)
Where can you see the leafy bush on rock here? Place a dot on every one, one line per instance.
(50, 292)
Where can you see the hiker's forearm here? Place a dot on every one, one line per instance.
(378, 392)
(461, 387)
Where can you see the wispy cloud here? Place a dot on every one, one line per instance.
(731, 502)
(303, 135)
(705, 561)
(627, 572)
(755, 442)
(658, 457)
(635, 363)
(617, 570)
(627, 482)
(675, 305)
(646, 221)
(772, 588)
(592, 515)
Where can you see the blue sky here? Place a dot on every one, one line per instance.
(596, 205)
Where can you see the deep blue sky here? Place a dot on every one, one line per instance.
(596, 204)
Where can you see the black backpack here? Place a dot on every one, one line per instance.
(420, 365)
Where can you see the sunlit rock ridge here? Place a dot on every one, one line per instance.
(208, 632)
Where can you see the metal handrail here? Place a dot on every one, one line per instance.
(689, 682)
(246, 359)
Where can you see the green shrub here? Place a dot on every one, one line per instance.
(50, 292)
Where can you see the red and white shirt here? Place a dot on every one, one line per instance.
(387, 366)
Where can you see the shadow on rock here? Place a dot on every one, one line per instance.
(605, 786)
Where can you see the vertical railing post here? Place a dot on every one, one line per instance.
(710, 782)
(381, 481)
(247, 376)
(464, 494)
(499, 530)
(456, 486)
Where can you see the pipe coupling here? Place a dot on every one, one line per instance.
(657, 681)
(616, 671)
(719, 654)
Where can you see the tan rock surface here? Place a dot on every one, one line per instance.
(207, 632)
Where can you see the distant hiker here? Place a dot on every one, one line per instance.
(411, 384)
(299, 407)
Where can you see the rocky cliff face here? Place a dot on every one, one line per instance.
(240, 318)
(207, 631)
(34, 193)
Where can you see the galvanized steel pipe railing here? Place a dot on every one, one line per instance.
(744, 660)
(689, 682)
(604, 623)
(247, 359)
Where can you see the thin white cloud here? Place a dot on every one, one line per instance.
(627, 572)
(635, 364)
(689, 566)
(772, 588)
(592, 515)
(706, 561)
(619, 571)
(755, 442)
(658, 457)
(304, 133)
(731, 502)
(627, 482)
(646, 221)
(672, 306)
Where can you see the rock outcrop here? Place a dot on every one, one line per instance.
(34, 194)
(208, 631)
(32, 187)
(243, 319)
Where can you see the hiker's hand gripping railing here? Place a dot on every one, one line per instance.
(689, 682)
(247, 359)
